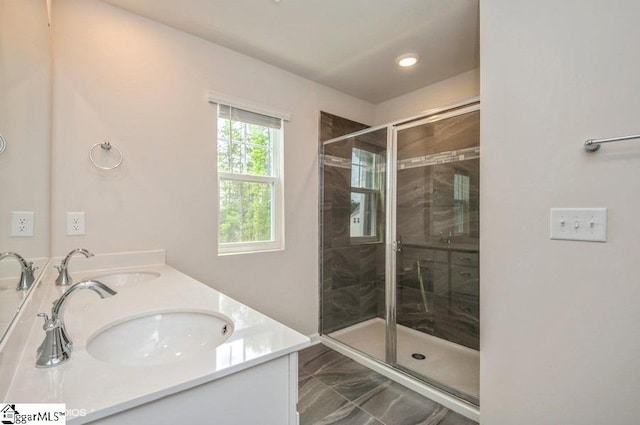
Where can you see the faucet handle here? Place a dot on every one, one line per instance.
(45, 316)
(49, 322)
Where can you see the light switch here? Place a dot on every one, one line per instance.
(579, 224)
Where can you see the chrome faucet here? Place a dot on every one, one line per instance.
(63, 277)
(26, 275)
(56, 347)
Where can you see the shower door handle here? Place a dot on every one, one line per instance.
(396, 246)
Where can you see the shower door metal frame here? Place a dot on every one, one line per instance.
(393, 244)
(391, 248)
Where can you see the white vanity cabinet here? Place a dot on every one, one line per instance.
(265, 394)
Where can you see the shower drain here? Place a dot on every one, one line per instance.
(418, 356)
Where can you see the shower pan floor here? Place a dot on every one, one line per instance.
(448, 363)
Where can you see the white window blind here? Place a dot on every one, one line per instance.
(248, 105)
(237, 114)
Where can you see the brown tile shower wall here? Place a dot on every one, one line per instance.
(446, 305)
(425, 203)
(353, 276)
(449, 308)
(349, 272)
(332, 126)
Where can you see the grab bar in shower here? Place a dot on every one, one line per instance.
(593, 145)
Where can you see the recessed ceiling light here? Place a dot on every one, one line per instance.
(407, 60)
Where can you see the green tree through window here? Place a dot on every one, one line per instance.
(248, 178)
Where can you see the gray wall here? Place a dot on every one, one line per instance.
(560, 334)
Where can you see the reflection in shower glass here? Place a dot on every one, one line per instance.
(365, 185)
(363, 169)
(437, 283)
(460, 203)
(363, 213)
(406, 295)
(352, 229)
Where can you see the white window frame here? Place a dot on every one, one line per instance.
(372, 195)
(276, 181)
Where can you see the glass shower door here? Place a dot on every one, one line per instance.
(436, 288)
(399, 247)
(353, 229)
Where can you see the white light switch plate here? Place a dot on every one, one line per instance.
(579, 224)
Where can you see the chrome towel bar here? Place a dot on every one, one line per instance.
(593, 145)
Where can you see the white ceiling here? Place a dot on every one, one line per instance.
(349, 45)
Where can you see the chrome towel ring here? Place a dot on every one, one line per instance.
(106, 148)
(3, 144)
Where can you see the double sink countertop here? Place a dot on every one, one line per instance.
(99, 388)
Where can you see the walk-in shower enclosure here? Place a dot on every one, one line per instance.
(400, 246)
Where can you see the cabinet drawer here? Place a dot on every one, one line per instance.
(465, 280)
(464, 258)
(434, 255)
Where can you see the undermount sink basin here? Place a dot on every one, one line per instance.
(161, 338)
(126, 278)
(7, 284)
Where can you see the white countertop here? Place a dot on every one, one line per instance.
(99, 388)
(11, 299)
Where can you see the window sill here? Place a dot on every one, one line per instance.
(364, 240)
(253, 248)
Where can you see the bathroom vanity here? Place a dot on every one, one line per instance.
(165, 349)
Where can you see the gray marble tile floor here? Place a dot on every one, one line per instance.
(335, 390)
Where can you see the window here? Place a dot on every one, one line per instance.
(249, 181)
(365, 185)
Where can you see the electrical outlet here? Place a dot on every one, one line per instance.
(75, 223)
(22, 224)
